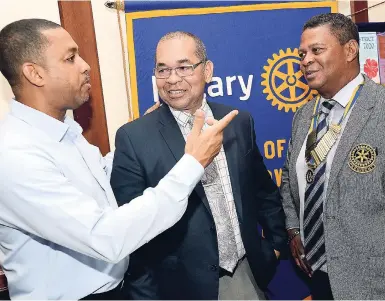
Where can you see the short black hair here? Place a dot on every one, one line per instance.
(20, 42)
(342, 27)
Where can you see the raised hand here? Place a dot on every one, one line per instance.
(205, 145)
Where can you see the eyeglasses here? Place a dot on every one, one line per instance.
(181, 71)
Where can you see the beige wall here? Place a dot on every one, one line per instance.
(14, 10)
(376, 14)
(344, 7)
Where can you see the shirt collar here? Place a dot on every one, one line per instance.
(343, 95)
(182, 117)
(45, 123)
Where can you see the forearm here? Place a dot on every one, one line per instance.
(54, 210)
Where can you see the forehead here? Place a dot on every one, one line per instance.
(176, 49)
(60, 41)
(318, 35)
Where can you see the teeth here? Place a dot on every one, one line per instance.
(176, 92)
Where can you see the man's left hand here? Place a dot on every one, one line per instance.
(277, 253)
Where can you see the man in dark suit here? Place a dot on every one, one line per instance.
(215, 250)
(334, 178)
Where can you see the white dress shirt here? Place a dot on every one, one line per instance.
(220, 160)
(62, 235)
(342, 98)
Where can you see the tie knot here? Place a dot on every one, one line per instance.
(190, 122)
(327, 106)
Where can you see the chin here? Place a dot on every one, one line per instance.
(315, 84)
(80, 102)
(176, 104)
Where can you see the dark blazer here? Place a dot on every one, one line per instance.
(182, 262)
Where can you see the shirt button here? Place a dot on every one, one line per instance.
(213, 267)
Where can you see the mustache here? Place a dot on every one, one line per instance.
(308, 70)
(87, 79)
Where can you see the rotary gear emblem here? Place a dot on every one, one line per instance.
(362, 158)
(285, 85)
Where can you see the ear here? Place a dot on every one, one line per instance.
(209, 69)
(351, 50)
(34, 74)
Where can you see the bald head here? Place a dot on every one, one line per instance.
(200, 49)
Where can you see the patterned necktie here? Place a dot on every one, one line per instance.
(227, 246)
(313, 214)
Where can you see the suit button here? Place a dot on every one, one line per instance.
(213, 267)
(212, 228)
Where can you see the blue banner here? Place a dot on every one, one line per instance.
(256, 68)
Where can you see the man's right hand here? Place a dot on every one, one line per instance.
(205, 145)
(298, 253)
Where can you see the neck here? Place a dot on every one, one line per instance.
(192, 110)
(42, 105)
(329, 92)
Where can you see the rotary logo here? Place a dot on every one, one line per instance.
(362, 158)
(285, 85)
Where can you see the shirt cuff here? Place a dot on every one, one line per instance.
(188, 170)
(290, 228)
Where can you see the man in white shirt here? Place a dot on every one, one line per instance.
(62, 235)
(333, 178)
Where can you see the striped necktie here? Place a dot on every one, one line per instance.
(313, 214)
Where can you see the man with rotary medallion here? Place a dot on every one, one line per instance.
(334, 175)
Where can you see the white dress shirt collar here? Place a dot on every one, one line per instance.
(183, 117)
(54, 128)
(343, 95)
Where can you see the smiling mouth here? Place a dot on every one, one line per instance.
(176, 93)
(309, 73)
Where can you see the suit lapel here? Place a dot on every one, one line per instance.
(300, 136)
(171, 133)
(174, 139)
(356, 122)
(230, 147)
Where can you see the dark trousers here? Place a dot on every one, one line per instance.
(114, 294)
(320, 286)
(4, 295)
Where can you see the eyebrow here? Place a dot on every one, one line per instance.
(182, 61)
(73, 50)
(312, 45)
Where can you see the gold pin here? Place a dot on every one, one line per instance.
(362, 158)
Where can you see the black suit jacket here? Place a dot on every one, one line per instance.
(182, 262)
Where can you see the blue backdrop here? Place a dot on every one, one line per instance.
(256, 68)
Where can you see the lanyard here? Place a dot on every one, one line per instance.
(317, 150)
(317, 105)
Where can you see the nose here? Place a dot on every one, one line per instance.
(84, 66)
(307, 59)
(174, 77)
